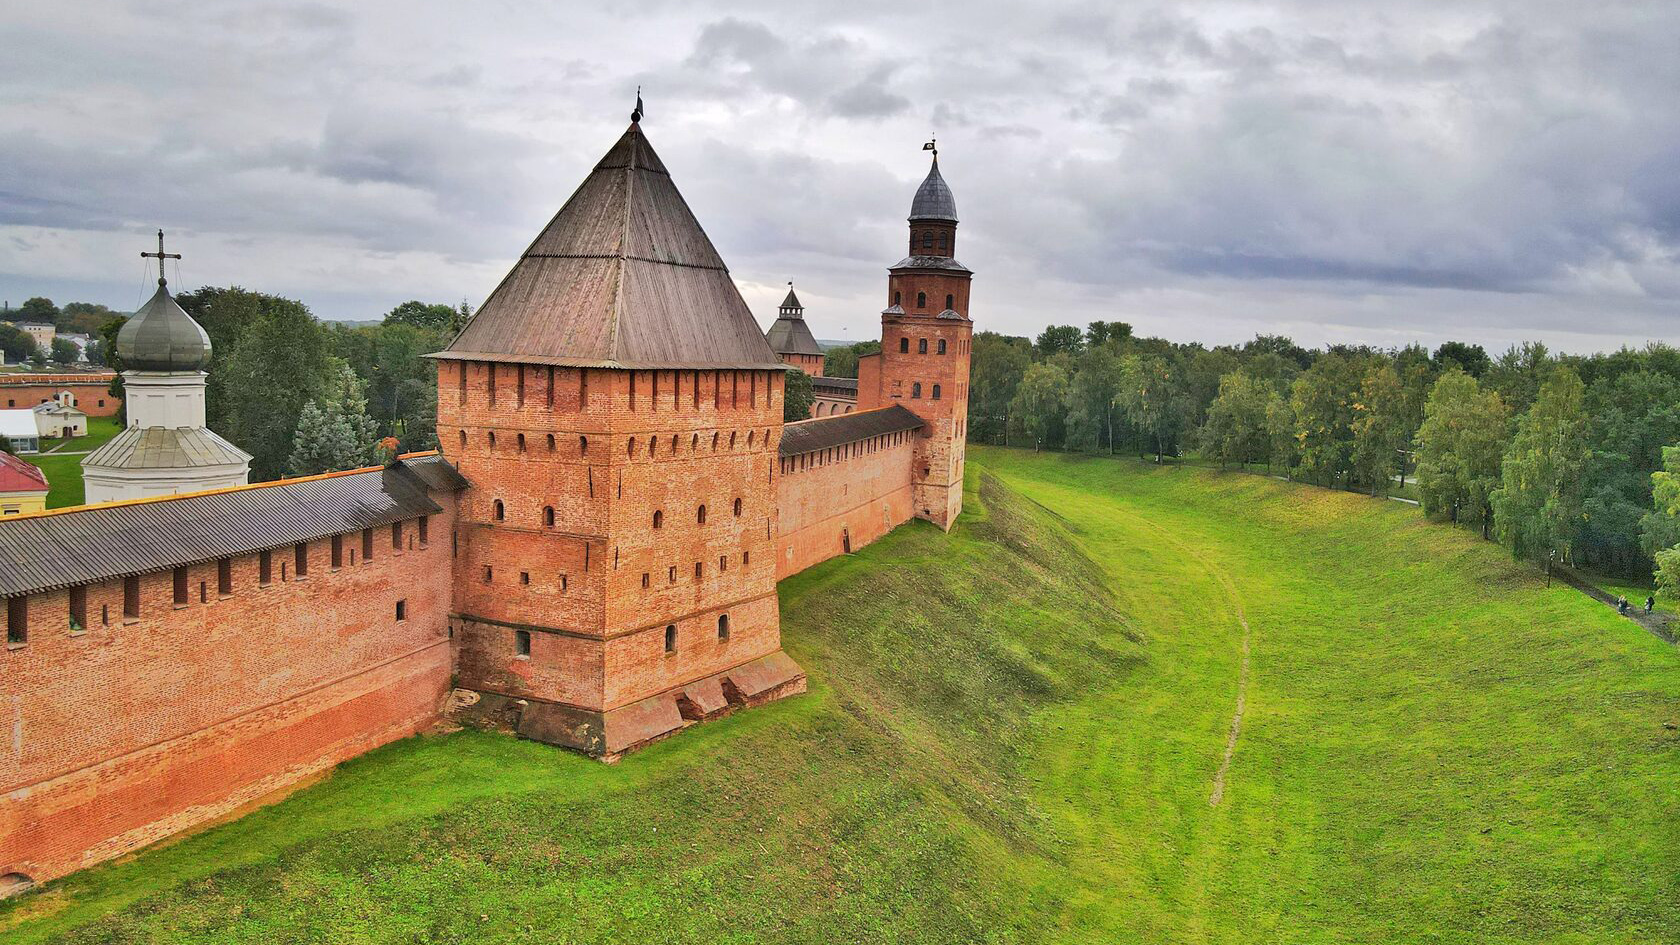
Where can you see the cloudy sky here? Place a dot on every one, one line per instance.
(1334, 171)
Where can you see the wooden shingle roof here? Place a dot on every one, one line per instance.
(623, 276)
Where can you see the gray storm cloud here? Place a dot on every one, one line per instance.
(1340, 172)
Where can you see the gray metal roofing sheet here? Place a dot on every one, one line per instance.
(165, 448)
(100, 542)
(623, 276)
(808, 436)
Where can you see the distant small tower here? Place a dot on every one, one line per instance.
(791, 338)
(166, 448)
(925, 341)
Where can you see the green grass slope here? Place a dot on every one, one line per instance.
(1013, 735)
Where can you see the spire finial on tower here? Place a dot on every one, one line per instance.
(160, 256)
(636, 116)
(933, 145)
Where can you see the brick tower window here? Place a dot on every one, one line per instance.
(131, 597)
(670, 639)
(921, 346)
(367, 545)
(916, 389)
(548, 515)
(522, 643)
(897, 297)
(658, 519)
(583, 445)
(463, 439)
(904, 346)
(337, 552)
(224, 576)
(700, 515)
(630, 447)
(265, 567)
(950, 302)
(521, 440)
(723, 626)
(17, 621)
(402, 610)
(737, 508)
(300, 556)
(180, 587)
(942, 343)
(499, 510)
(551, 442)
(936, 392)
(921, 300)
(492, 439)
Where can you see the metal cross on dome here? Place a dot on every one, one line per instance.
(160, 256)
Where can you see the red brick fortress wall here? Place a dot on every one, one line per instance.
(135, 728)
(92, 391)
(842, 496)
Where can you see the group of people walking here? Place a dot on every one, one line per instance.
(1623, 608)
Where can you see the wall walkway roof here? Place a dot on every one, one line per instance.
(83, 544)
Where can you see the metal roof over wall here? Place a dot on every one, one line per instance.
(623, 276)
(100, 542)
(808, 436)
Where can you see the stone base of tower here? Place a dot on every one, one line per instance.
(610, 734)
(939, 504)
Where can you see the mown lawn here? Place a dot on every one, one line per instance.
(64, 472)
(1013, 736)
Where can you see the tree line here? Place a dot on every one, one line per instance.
(82, 318)
(304, 396)
(1570, 458)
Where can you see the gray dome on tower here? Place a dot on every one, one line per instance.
(163, 337)
(933, 199)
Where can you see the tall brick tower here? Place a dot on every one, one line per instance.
(617, 412)
(925, 341)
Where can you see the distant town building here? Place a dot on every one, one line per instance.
(55, 420)
(166, 447)
(23, 488)
(42, 333)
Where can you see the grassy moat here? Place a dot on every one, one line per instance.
(1016, 733)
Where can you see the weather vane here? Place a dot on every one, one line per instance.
(932, 145)
(160, 256)
(636, 115)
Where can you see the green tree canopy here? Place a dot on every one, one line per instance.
(1538, 507)
(444, 320)
(1379, 427)
(279, 362)
(1155, 401)
(65, 351)
(1236, 430)
(1060, 339)
(1040, 403)
(17, 345)
(843, 360)
(38, 309)
(798, 397)
(1460, 448)
(333, 430)
(1471, 359)
(1323, 398)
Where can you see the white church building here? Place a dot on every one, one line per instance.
(166, 448)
